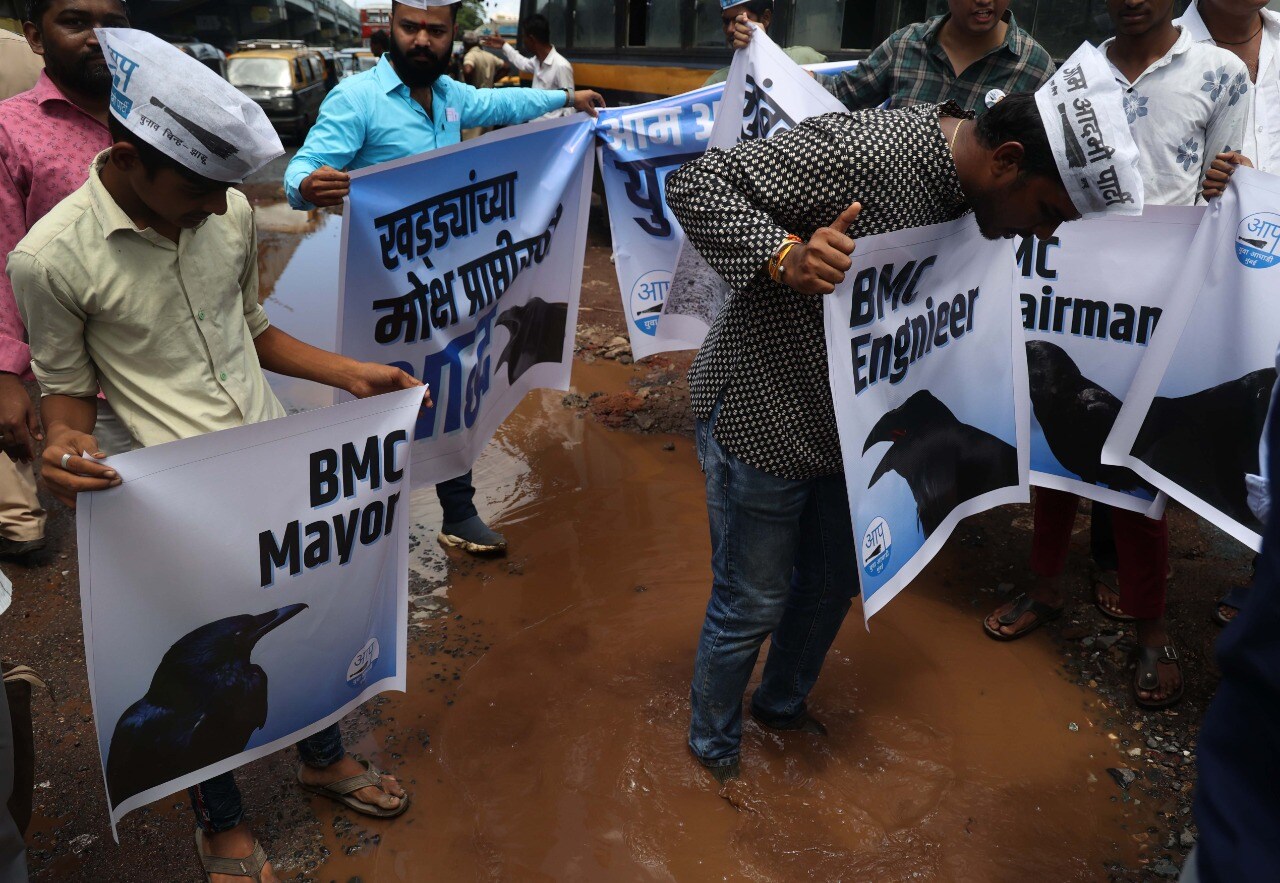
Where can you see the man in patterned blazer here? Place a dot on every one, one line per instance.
(778, 219)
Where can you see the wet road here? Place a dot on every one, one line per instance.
(542, 735)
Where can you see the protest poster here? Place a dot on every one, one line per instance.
(1193, 419)
(1088, 322)
(244, 589)
(924, 349)
(639, 146)
(463, 267)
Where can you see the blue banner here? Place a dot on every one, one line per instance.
(638, 147)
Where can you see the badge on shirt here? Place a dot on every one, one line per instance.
(451, 113)
(994, 97)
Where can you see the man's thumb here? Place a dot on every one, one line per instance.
(847, 217)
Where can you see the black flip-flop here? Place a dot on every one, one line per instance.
(1111, 582)
(1022, 604)
(1147, 678)
(1235, 599)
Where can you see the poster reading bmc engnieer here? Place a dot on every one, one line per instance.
(924, 347)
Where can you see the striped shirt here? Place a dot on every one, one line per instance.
(911, 67)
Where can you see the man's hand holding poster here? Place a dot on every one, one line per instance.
(930, 389)
(463, 267)
(1088, 323)
(244, 589)
(1192, 422)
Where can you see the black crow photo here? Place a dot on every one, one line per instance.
(537, 335)
(943, 461)
(205, 700)
(1208, 440)
(1076, 415)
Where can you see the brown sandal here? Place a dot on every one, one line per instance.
(1147, 677)
(343, 791)
(250, 866)
(1024, 603)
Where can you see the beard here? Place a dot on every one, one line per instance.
(87, 74)
(420, 68)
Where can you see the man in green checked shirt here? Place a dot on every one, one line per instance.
(973, 54)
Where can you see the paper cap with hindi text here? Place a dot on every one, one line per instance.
(184, 110)
(1082, 109)
(427, 4)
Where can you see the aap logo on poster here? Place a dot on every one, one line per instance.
(647, 297)
(877, 544)
(1257, 238)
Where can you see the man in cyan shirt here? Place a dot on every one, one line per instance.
(548, 67)
(406, 106)
(48, 137)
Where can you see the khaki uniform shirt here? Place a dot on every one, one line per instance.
(165, 329)
(485, 64)
(19, 66)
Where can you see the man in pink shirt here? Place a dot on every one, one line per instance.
(49, 135)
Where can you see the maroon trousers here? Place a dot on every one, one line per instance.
(1142, 547)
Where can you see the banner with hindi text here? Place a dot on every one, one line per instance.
(463, 266)
(639, 146)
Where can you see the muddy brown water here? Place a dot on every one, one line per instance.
(553, 697)
(543, 732)
(562, 753)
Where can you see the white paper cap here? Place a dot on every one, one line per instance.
(427, 4)
(1082, 108)
(185, 110)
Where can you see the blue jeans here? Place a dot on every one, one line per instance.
(782, 564)
(216, 801)
(455, 497)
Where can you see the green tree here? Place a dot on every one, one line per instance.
(472, 15)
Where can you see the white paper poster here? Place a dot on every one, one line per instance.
(463, 267)
(243, 589)
(669, 293)
(1089, 319)
(1193, 418)
(924, 346)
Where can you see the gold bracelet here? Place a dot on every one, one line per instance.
(774, 267)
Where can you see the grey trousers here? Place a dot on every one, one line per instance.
(13, 852)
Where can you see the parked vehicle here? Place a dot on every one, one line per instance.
(210, 56)
(353, 61)
(285, 78)
(331, 73)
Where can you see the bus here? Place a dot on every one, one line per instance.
(374, 17)
(639, 50)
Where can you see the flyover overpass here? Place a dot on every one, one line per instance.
(222, 22)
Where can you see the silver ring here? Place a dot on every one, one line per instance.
(65, 458)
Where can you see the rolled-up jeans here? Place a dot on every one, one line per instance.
(216, 801)
(782, 564)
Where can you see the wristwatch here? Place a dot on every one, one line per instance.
(568, 93)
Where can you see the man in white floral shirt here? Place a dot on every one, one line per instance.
(1187, 101)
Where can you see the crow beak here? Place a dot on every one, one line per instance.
(881, 432)
(881, 469)
(272, 618)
